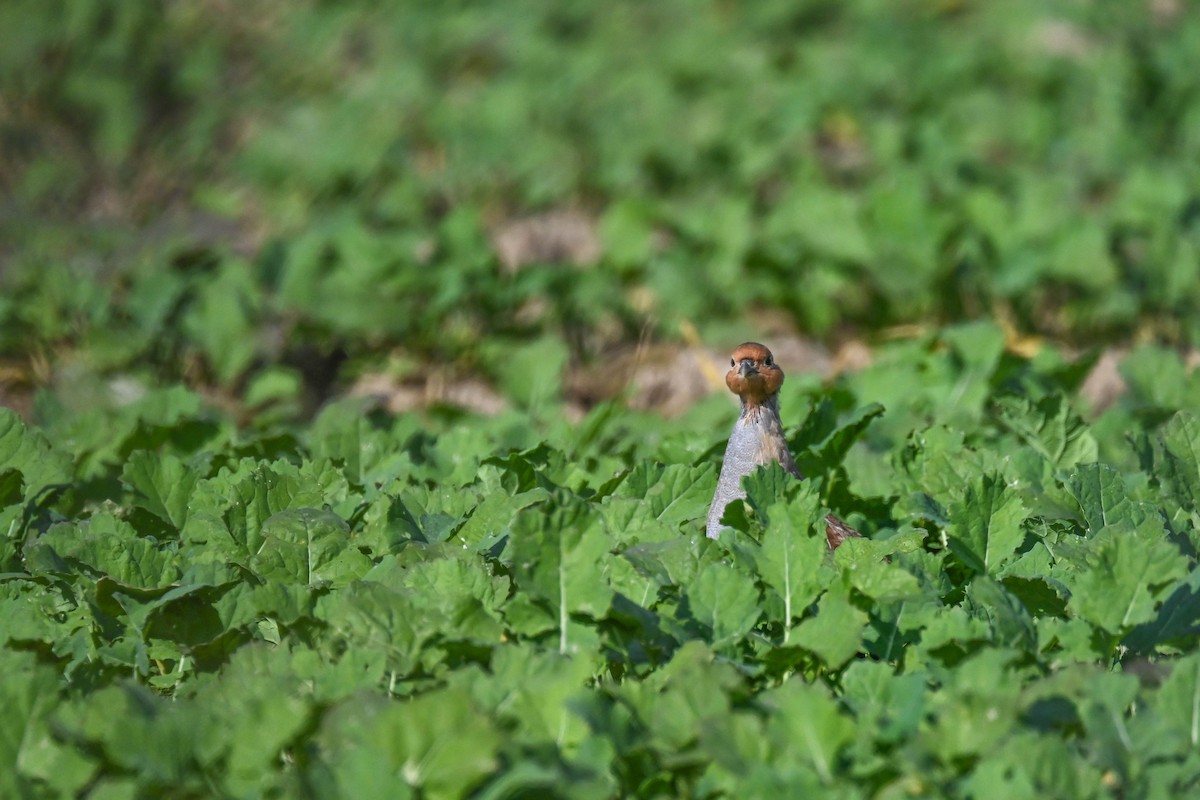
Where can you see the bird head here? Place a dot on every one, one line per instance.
(753, 374)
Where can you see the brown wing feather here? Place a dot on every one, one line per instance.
(837, 531)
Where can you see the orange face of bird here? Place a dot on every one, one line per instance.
(753, 375)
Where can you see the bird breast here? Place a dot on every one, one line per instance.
(757, 439)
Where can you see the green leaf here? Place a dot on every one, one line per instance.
(380, 623)
(835, 634)
(866, 565)
(28, 749)
(555, 549)
(460, 591)
(533, 690)
(978, 706)
(1104, 711)
(1177, 703)
(1083, 255)
(807, 727)
(888, 705)
(310, 547)
(724, 602)
(985, 526)
(491, 520)
(221, 320)
(1050, 427)
(1104, 498)
(669, 494)
(683, 698)
(1011, 623)
(940, 466)
(792, 552)
(1121, 576)
(823, 441)
(245, 498)
(1180, 442)
(979, 345)
(105, 546)
(531, 373)
(436, 746)
(30, 454)
(164, 484)
(767, 485)
(1157, 377)
(1176, 622)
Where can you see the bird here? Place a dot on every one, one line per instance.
(757, 437)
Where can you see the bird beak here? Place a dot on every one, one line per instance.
(746, 367)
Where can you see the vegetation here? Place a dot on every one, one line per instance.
(227, 570)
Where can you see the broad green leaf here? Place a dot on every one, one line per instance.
(823, 440)
(29, 453)
(246, 604)
(252, 719)
(985, 526)
(220, 320)
(669, 494)
(106, 546)
(887, 706)
(247, 497)
(532, 373)
(340, 433)
(1083, 255)
(378, 622)
(1011, 623)
(555, 548)
(436, 746)
(1122, 575)
(666, 563)
(29, 754)
(639, 586)
(940, 466)
(1176, 621)
(792, 553)
(1104, 499)
(947, 634)
(491, 520)
(767, 486)
(523, 470)
(533, 690)
(1157, 377)
(164, 484)
(979, 344)
(12, 485)
(155, 741)
(825, 221)
(308, 546)
(1104, 711)
(978, 706)
(866, 565)
(806, 726)
(1051, 428)
(686, 696)
(459, 591)
(835, 634)
(1177, 703)
(1180, 441)
(724, 602)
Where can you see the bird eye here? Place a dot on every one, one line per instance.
(732, 363)
(770, 362)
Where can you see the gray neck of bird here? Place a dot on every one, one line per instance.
(753, 411)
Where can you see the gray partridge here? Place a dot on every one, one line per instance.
(757, 436)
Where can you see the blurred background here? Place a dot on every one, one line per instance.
(495, 205)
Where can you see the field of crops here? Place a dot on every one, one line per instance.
(361, 400)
